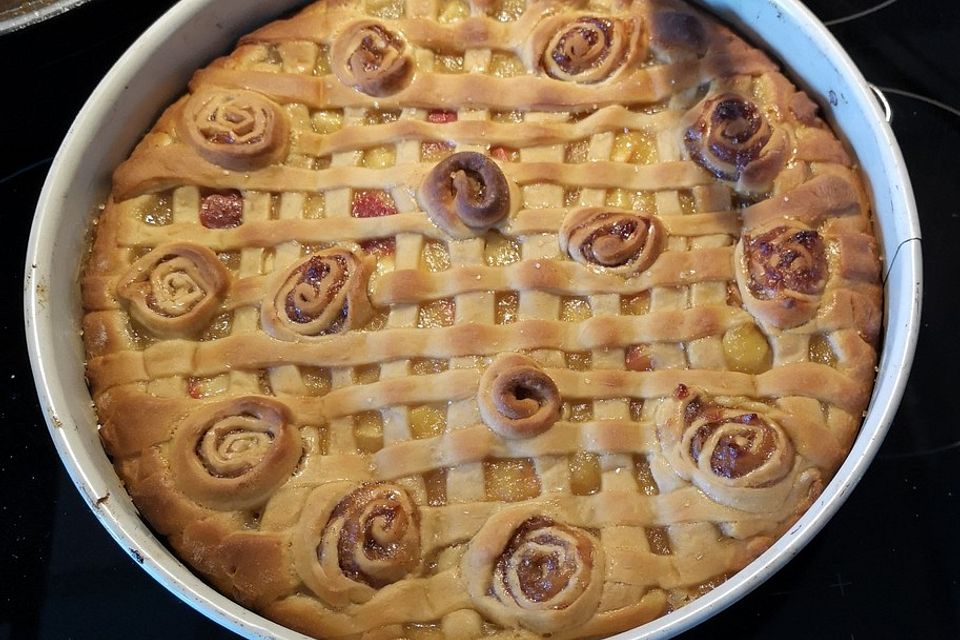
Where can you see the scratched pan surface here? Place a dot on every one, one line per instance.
(17, 14)
(155, 70)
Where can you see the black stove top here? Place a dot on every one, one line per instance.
(885, 567)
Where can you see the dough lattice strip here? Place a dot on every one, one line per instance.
(526, 222)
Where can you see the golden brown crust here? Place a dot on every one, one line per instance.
(517, 399)
(352, 541)
(615, 241)
(731, 138)
(238, 130)
(526, 570)
(735, 452)
(585, 48)
(234, 455)
(371, 58)
(466, 194)
(175, 289)
(782, 271)
(322, 294)
(482, 317)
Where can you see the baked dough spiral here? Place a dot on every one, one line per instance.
(235, 454)
(175, 290)
(524, 568)
(352, 541)
(732, 450)
(517, 399)
(623, 242)
(371, 58)
(465, 194)
(235, 129)
(733, 139)
(586, 48)
(782, 271)
(322, 294)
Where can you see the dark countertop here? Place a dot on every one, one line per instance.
(885, 567)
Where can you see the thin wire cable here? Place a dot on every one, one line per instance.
(23, 170)
(859, 14)
(916, 96)
(920, 454)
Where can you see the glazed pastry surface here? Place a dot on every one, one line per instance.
(457, 318)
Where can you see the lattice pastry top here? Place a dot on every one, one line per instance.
(455, 318)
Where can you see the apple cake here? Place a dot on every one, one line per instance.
(459, 318)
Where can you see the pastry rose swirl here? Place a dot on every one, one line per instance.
(465, 194)
(623, 242)
(235, 454)
(235, 129)
(782, 271)
(517, 399)
(733, 139)
(175, 290)
(371, 58)
(353, 540)
(585, 48)
(733, 451)
(324, 293)
(524, 568)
